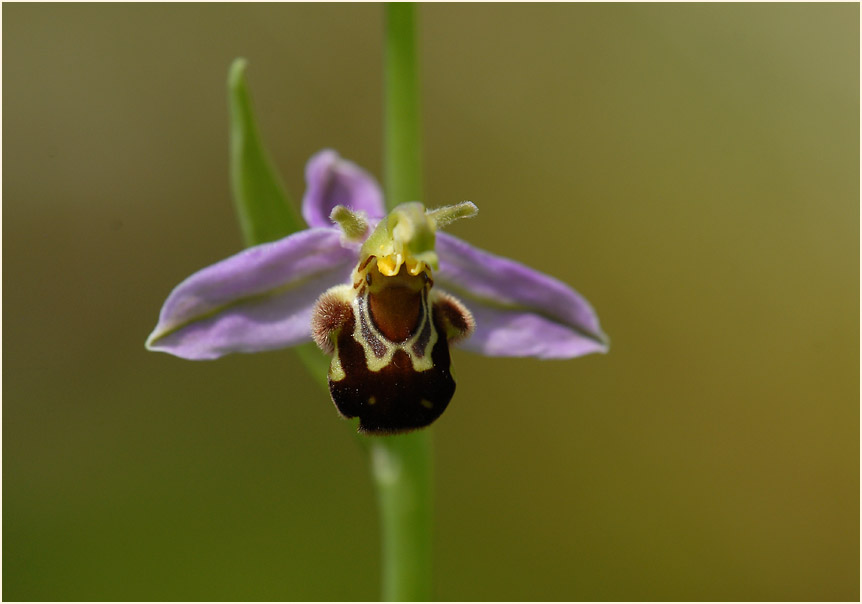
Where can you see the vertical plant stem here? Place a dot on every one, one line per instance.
(401, 465)
(402, 154)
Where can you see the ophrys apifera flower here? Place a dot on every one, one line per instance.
(382, 295)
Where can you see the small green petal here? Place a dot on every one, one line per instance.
(354, 225)
(446, 215)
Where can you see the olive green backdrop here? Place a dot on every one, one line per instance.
(691, 169)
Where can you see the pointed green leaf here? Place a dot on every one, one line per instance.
(264, 210)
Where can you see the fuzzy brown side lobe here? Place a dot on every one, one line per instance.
(457, 322)
(329, 314)
(395, 399)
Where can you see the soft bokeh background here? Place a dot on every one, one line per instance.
(691, 169)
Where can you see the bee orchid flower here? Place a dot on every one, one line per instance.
(384, 295)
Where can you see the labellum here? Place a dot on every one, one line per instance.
(389, 330)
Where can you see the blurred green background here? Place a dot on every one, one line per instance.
(691, 169)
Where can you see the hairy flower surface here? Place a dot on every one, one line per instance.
(378, 294)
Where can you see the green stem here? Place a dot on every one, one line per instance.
(401, 465)
(402, 155)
